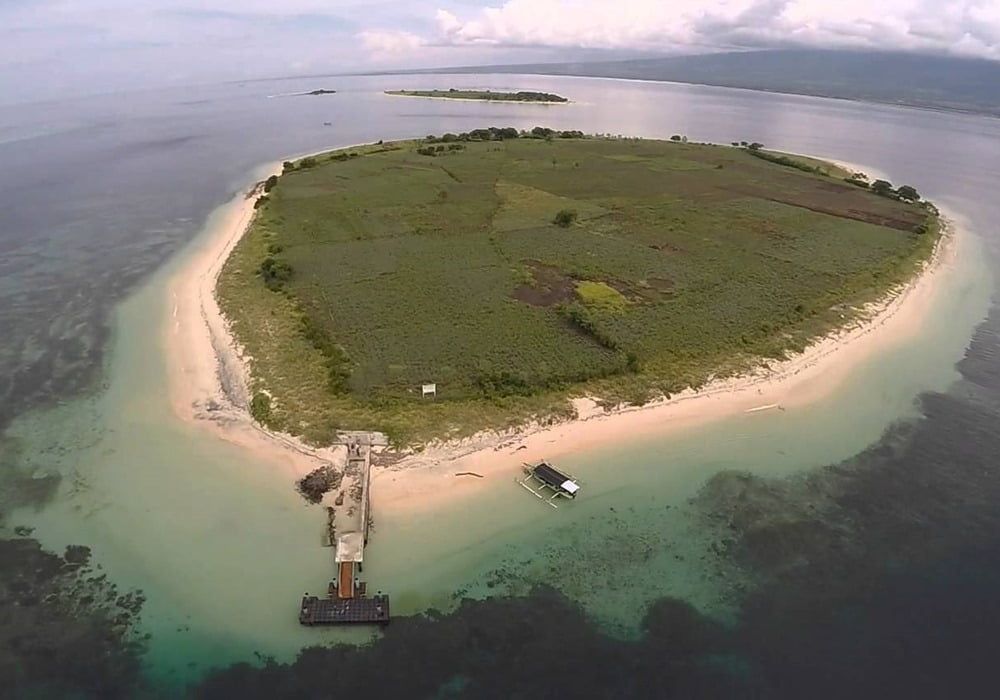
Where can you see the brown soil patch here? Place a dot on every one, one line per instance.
(900, 223)
(550, 287)
(845, 202)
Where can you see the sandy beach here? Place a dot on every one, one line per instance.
(207, 373)
(208, 382)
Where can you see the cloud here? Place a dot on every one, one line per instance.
(390, 42)
(966, 27)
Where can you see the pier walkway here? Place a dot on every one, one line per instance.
(346, 602)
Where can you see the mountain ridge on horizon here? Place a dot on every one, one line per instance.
(908, 79)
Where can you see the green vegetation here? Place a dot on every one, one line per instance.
(565, 217)
(600, 296)
(803, 163)
(370, 271)
(456, 94)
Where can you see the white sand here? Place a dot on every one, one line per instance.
(208, 383)
(207, 372)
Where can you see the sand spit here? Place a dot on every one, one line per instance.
(208, 374)
(208, 382)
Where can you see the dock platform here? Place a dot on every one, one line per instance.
(344, 611)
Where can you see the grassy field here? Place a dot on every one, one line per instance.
(369, 272)
(488, 95)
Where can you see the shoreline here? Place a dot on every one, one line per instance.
(208, 378)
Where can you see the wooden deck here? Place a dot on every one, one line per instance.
(344, 611)
(345, 580)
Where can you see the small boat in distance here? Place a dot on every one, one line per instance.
(549, 483)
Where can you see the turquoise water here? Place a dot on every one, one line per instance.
(223, 548)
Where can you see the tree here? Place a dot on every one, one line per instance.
(676, 138)
(882, 187)
(565, 218)
(755, 146)
(908, 193)
(270, 183)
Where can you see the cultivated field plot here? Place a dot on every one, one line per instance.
(365, 276)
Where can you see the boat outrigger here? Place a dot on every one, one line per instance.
(549, 483)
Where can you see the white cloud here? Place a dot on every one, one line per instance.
(968, 27)
(390, 42)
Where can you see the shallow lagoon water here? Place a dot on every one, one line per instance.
(222, 546)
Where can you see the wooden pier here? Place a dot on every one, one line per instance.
(346, 601)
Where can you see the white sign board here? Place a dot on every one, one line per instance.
(429, 390)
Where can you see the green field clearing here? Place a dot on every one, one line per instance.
(372, 271)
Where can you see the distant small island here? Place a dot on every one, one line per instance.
(487, 95)
(320, 92)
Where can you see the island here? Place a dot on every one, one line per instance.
(321, 91)
(487, 95)
(436, 288)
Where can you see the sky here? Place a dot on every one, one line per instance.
(103, 45)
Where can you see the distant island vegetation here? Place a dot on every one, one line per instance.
(517, 269)
(900, 78)
(321, 91)
(488, 95)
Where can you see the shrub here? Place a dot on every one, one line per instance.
(260, 408)
(261, 201)
(336, 361)
(308, 162)
(275, 273)
(883, 188)
(565, 218)
(270, 183)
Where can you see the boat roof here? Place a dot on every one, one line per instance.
(550, 475)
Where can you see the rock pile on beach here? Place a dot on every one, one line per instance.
(318, 482)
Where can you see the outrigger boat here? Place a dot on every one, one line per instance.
(549, 483)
